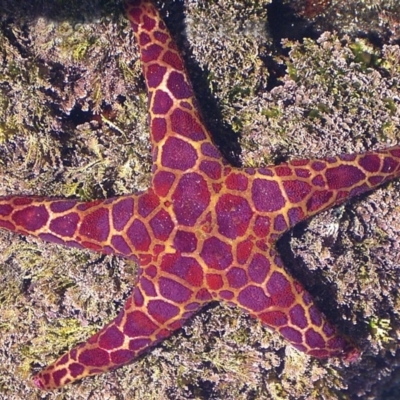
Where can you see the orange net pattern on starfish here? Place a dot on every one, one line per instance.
(203, 231)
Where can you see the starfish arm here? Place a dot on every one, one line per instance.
(120, 225)
(153, 311)
(302, 188)
(178, 136)
(266, 291)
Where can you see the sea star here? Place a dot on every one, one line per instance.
(204, 231)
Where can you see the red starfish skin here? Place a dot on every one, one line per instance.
(203, 231)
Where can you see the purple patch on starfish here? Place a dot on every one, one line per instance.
(173, 290)
(243, 251)
(347, 157)
(31, 218)
(139, 236)
(375, 180)
(318, 180)
(297, 163)
(148, 23)
(161, 225)
(73, 243)
(185, 268)
(137, 344)
(283, 170)
(291, 334)
(237, 182)
(192, 306)
(318, 199)
(315, 316)
(209, 150)
(160, 37)
(63, 360)
(96, 225)
(254, 298)
(162, 311)
(226, 294)
(65, 225)
(134, 15)
(121, 356)
(190, 198)
(262, 226)
(211, 168)
(370, 162)
(154, 75)
(328, 329)
(337, 342)
(314, 339)
(58, 375)
(178, 86)
(266, 171)
(94, 358)
(120, 245)
(237, 278)
(274, 318)
(233, 215)
(139, 324)
(162, 182)
(302, 173)
(318, 166)
(307, 299)
(148, 287)
(76, 369)
(111, 338)
(178, 154)
(48, 237)
(184, 124)
(173, 60)
(122, 211)
(259, 268)
(296, 190)
(250, 171)
(280, 223)
(162, 102)
(7, 225)
(216, 253)
(144, 38)
(214, 281)
(359, 189)
(389, 165)
(295, 215)
(185, 241)
(5, 209)
(23, 201)
(343, 176)
(151, 53)
(158, 128)
(137, 297)
(280, 290)
(298, 316)
(62, 205)
(267, 195)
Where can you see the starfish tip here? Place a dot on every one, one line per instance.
(38, 382)
(352, 355)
